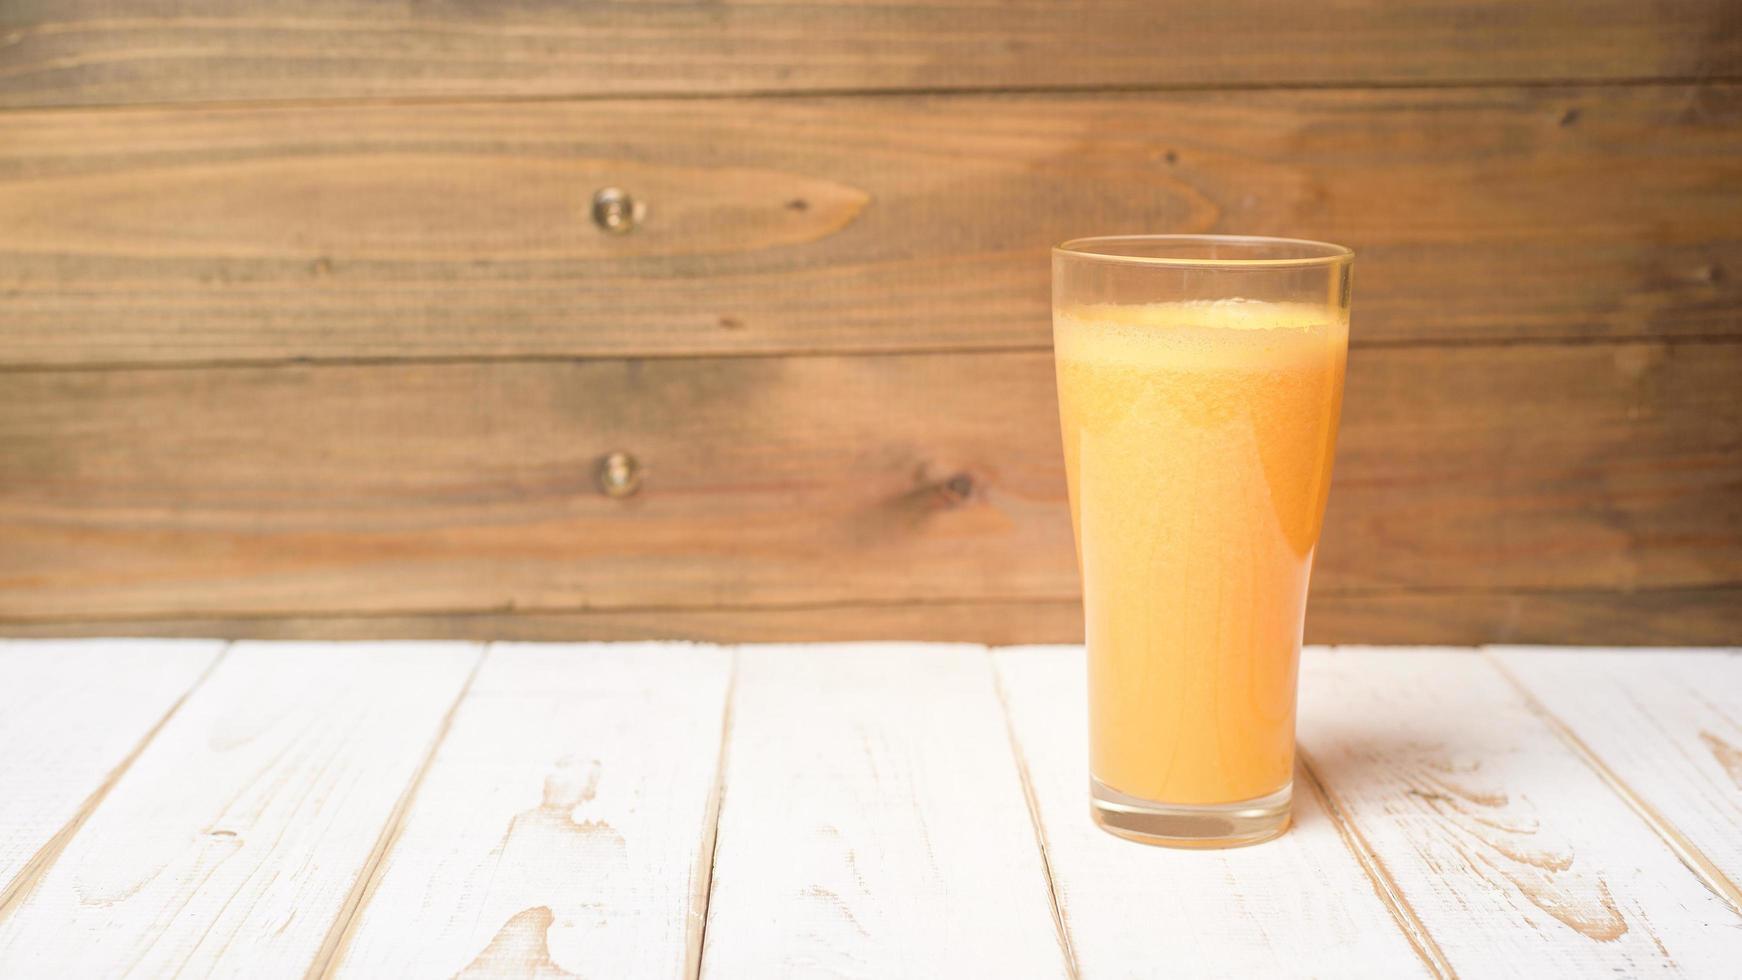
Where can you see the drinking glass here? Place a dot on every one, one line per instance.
(1200, 378)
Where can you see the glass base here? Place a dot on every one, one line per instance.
(1188, 824)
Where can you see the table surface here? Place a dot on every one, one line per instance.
(879, 810)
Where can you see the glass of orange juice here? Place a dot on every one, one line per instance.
(1200, 378)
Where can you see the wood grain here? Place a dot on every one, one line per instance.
(73, 715)
(1509, 849)
(1666, 730)
(267, 234)
(1299, 906)
(100, 51)
(470, 487)
(564, 826)
(872, 822)
(229, 847)
(1691, 616)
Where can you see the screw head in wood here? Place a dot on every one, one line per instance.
(615, 211)
(619, 475)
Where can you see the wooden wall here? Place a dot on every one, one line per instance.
(306, 327)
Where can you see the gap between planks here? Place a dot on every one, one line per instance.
(1378, 876)
(878, 92)
(696, 934)
(1028, 798)
(779, 353)
(27, 878)
(332, 948)
(1685, 850)
(537, 609)
(34, 627)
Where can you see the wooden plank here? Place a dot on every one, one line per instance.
(565, 825)
(1511, 851)
(1297, 906)
(872, 822)
(72, 52)
(269, 234)
(73, 715)
(232, 843)
(1646, 618)
(314, 477)
(988, 621)
(1665, 728)
(1538, 468)
(805, 481)
(1687, 616)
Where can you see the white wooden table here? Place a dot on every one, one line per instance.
(658, 810)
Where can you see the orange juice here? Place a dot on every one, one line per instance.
(1198, 440)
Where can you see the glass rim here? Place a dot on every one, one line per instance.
(1325, 254)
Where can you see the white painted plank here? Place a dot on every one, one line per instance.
(233, 841)
(1666, 726)
(71, 713)
(1301, 905)
(872, 823)
(564, 826)
(1510, 849)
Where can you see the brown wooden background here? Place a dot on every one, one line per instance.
(306, 330)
